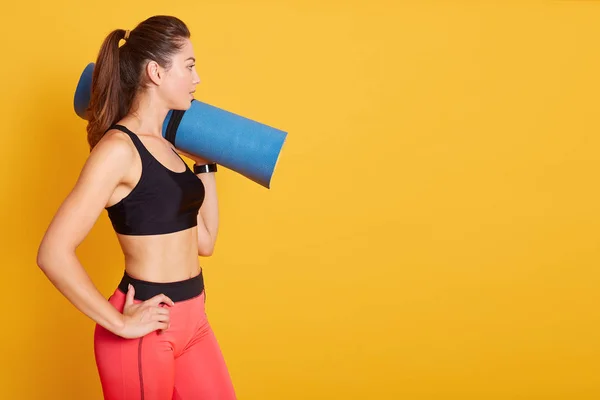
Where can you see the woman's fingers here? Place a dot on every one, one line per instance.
(158, 299)
(160, 325)
(161, 310)
(161, 317)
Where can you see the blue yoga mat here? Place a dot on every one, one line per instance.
(247, 147)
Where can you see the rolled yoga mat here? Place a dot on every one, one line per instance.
(245, 146)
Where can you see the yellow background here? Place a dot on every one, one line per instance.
(432, 231)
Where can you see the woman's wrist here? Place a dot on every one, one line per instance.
(204, 168)
(117, 324)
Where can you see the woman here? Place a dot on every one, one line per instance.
(152, 337)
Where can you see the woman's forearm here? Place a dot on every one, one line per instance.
(70, 278)
(208, 216)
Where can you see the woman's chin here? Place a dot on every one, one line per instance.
(183, 106)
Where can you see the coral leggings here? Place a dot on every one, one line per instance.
(182, 363)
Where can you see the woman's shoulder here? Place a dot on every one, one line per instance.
(114, 147)
(115, 140)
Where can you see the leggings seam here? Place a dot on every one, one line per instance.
(140, 369)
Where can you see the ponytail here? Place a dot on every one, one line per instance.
(105, 106)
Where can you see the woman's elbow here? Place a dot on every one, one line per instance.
(205, 249)
(43, 259)
(43, 255)
(49, 255)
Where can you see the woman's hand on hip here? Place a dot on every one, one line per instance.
(143, 318)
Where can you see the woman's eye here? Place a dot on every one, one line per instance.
(192, 66)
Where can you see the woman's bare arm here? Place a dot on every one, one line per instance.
(208, 216)
(101, 174)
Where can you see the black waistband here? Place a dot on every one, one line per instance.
(176, 291)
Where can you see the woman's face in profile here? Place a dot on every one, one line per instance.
(179, 82)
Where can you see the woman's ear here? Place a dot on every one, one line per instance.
(154, 72)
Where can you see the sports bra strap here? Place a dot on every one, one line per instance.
(136, 140)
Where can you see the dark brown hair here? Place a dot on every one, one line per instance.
(119, 71)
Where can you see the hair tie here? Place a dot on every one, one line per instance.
(126, 35)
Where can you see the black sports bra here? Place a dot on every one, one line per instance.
(163, 201)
